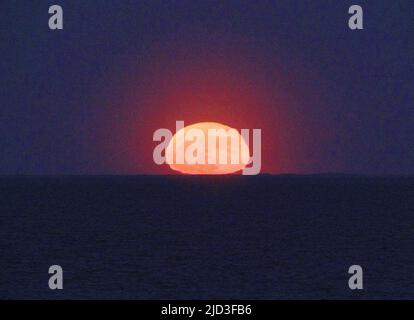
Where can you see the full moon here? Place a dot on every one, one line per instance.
(207, 148)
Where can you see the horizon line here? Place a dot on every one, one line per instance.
(202, 175)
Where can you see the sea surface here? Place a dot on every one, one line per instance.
(207, 237)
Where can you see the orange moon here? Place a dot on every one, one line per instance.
(223, 152)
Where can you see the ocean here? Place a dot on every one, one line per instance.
(207, 237)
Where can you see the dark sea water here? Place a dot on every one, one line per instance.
(187, 237)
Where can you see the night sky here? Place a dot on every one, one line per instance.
(87, 99)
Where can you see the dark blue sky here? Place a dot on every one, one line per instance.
(87, 99)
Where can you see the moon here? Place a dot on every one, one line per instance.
(207, 148)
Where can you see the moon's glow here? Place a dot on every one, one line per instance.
(218, 153)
